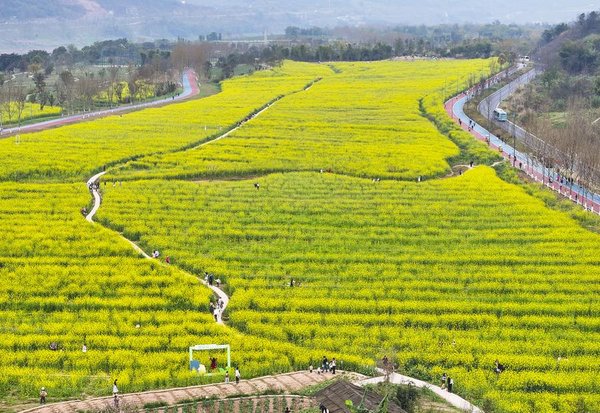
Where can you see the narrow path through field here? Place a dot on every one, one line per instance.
(94, 186)
(91, 184)
(453, 399)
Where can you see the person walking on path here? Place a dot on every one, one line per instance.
(332, 365)
(238, 376)
(43, 394)
(450, 384)
(226, 377)
(115, 390)
(444, 380)
(324, 364)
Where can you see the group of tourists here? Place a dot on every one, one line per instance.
(156, 255)
(211, 280)
(472, 125)
(217, 309)
(447, 383)
(238, 376)
(327, 366)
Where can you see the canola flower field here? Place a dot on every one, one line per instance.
(443, 275)
(86, 147)
(74, 284)
(364, 121)
(30, 111)
(452, 274)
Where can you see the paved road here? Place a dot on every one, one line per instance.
(190, 88)
(591, 202)
(486, 107)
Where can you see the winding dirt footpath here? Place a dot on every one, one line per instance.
(94, 184)
(451, 398)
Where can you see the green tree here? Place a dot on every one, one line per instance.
(40, 89)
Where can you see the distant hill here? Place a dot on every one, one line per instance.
(69, 9)
(27, 9)
(83, 21)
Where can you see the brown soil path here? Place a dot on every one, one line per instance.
(285, 383)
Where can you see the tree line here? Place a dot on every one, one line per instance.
(104, 74)
(570, 153)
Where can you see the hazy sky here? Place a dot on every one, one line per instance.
(84, 21)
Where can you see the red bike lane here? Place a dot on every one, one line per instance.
(562, 188)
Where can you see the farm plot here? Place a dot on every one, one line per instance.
(448, 275)
(363, 121)
(76, 151)
(73, 284)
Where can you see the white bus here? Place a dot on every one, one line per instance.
(500, 115)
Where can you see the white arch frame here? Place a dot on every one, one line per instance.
(202, 347)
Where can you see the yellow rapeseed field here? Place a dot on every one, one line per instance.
(442, 275)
